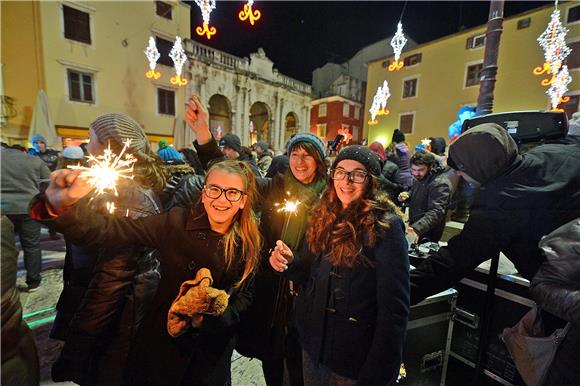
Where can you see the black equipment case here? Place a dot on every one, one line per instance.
(428, 340)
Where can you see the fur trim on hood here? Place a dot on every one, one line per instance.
(483, 152)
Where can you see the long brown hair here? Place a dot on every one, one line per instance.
(342, 234)
(244, 235)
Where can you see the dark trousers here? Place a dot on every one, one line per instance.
(273, 369)
(28, 232)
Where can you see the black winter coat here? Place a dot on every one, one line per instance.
(389, 181)
(428, 205)
(353, 321)
(186, 243)
(539, 192)
(106, 293)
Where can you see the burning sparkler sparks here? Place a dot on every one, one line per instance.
(290, 207)
(106, 170)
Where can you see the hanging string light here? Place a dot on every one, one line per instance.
(553, 42)
(398, 42)
(177, 54)
(248, 14)
(378, 107)
(206, 7)
(152, 54)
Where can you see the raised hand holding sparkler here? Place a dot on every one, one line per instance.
(281, 256)
(197, 118)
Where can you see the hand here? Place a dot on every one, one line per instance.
(197, 119)
(281, 256)
(66, 188)
(412, 235)
(403, 196)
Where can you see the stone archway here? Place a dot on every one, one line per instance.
(260, 118)
(220, 115)
(290, 125)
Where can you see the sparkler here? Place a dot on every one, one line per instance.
(107, 169)
(290, 207)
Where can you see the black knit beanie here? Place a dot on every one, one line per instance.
(361, 154)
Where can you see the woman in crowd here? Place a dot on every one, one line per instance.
(220, 233)
(107, 291)
(353, 267)
(266, 331)
(176, 169)
(399, 153)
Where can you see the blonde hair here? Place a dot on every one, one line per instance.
(244, 235)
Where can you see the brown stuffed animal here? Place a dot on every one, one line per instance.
(195, 299)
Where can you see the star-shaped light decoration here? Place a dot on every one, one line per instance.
(206, 7)
(177, 54)
(553, 42)
(248, 14)
(398, 42)
(152, 54)
(426, 142)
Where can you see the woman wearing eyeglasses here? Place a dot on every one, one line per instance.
(352, 310)
(220, 233)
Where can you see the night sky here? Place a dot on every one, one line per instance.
(301, 36)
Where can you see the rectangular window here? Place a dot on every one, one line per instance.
(406, 123)
(345, 109)
(76, 25)
(80, 86)
(321, 130)
(412, 60)
(410, 88)
(573, 14)
(164, 47)
(524, 23)
(356, 112)
(473, 74)
(573, 60)
(476, 41)
(322, 110)
(163, 9)
(165, 101)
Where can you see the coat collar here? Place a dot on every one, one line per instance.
(197, 220)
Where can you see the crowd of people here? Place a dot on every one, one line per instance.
(198, 259)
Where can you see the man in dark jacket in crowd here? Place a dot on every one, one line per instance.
(49, 156)
(520, 199)
(429, 197)
(231, 147)
(22, 176)
(264, 156)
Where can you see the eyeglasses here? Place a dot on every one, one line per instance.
(215, 192)
(356, 176)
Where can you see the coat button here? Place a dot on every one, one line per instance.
(331, 310)
(191, 266)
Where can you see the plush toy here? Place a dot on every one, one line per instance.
(195, 299)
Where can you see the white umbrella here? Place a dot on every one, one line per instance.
(42, 123)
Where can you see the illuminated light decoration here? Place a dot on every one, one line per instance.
(106, 170)
(206, 7)
(345, 134)
(177, 54)
(426, 142)
(152, 55)
(249, 14)
(559, 87)
(553, 42)
(398, 42)
(378, 107)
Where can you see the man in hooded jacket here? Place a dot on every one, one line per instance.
(520, 199)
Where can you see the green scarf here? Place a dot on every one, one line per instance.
(308, 194)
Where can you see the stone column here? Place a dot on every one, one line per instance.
(246, 118)
(282, 127)
(275, 123)
(239, 110)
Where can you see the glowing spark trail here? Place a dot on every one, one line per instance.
(107, 169)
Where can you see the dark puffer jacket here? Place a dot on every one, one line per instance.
(523, 198)
(106, 293)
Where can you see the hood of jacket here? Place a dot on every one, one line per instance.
(483, 152)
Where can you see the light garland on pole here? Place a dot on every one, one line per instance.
(249, 14)
(398, 42)
(378, 107)
(206, 7)
(177, 54)
(553, 42)
(152, 54)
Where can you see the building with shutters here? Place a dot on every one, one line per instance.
(443, 75)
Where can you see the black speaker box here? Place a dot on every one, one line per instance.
(526, 126)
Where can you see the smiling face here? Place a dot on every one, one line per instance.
(303, 165)
(346, 190)
(220, 211)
